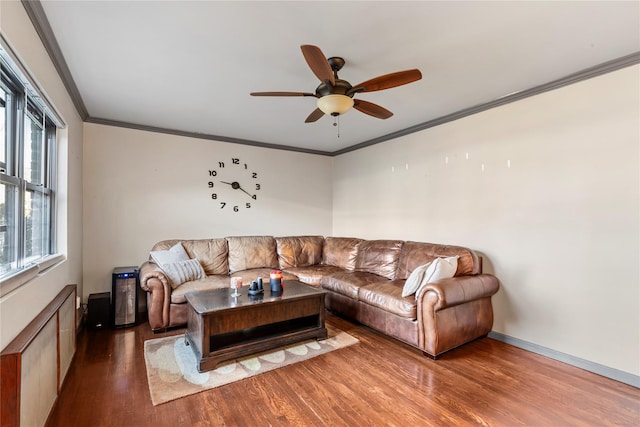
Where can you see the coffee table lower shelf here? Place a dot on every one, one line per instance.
(256, 345)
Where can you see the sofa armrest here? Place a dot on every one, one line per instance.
(154, 281)
(454, 311)
(459, 290)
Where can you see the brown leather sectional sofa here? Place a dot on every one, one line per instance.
(363, 280)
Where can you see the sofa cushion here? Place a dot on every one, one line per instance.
(209, 282)
(247, 252)
(348, 283)
(414, 254)
(212, 254)
(340, 252)
(313, 274)
(299, 251)
(388, 296)
(379, 257)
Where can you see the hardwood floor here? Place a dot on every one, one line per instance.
(378, 382)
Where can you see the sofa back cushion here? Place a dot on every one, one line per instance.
(340, 252)
(379, 257)
(415, 254)
(212, 253)
(247, 252)
(299, 251)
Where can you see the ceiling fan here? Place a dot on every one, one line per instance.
(335, 96)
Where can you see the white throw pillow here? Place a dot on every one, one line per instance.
(183, 271)
(414, 280)
(440, 268)
(177, 266)
(175, 254)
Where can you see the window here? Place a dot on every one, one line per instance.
(27, 168)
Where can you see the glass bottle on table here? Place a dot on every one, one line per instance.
(236, 284)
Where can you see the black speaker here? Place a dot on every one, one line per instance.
(98, 308)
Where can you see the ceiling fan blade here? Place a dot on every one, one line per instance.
(371, 109)
(388, 81)
(283, 94)
(318, 63)
(314, 116)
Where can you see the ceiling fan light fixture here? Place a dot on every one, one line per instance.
(334, 105)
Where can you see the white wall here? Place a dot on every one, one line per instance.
(142, 187)
(19, 307)
(546, 189)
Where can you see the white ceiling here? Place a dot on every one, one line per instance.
(190, 66)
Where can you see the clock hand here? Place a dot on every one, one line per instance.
(233, 184)
(246, 192)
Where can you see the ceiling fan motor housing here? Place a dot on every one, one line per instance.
(341, 87)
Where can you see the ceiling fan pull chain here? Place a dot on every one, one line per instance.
(336, 122)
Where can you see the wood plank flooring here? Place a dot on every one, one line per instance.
(378, 382)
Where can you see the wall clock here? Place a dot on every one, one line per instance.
(234, 185)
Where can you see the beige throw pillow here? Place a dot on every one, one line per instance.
(183, 271)
(414, 280)
(177, 266)
(175, 254)
(440, 268)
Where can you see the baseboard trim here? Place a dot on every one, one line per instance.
(596, 368)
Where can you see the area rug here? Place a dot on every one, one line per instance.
(172, 371)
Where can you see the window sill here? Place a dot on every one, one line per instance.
(19, 278)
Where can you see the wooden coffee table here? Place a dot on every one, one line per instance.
(221, 327)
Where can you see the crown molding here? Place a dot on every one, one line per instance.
(41, 24)
(219, 138)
